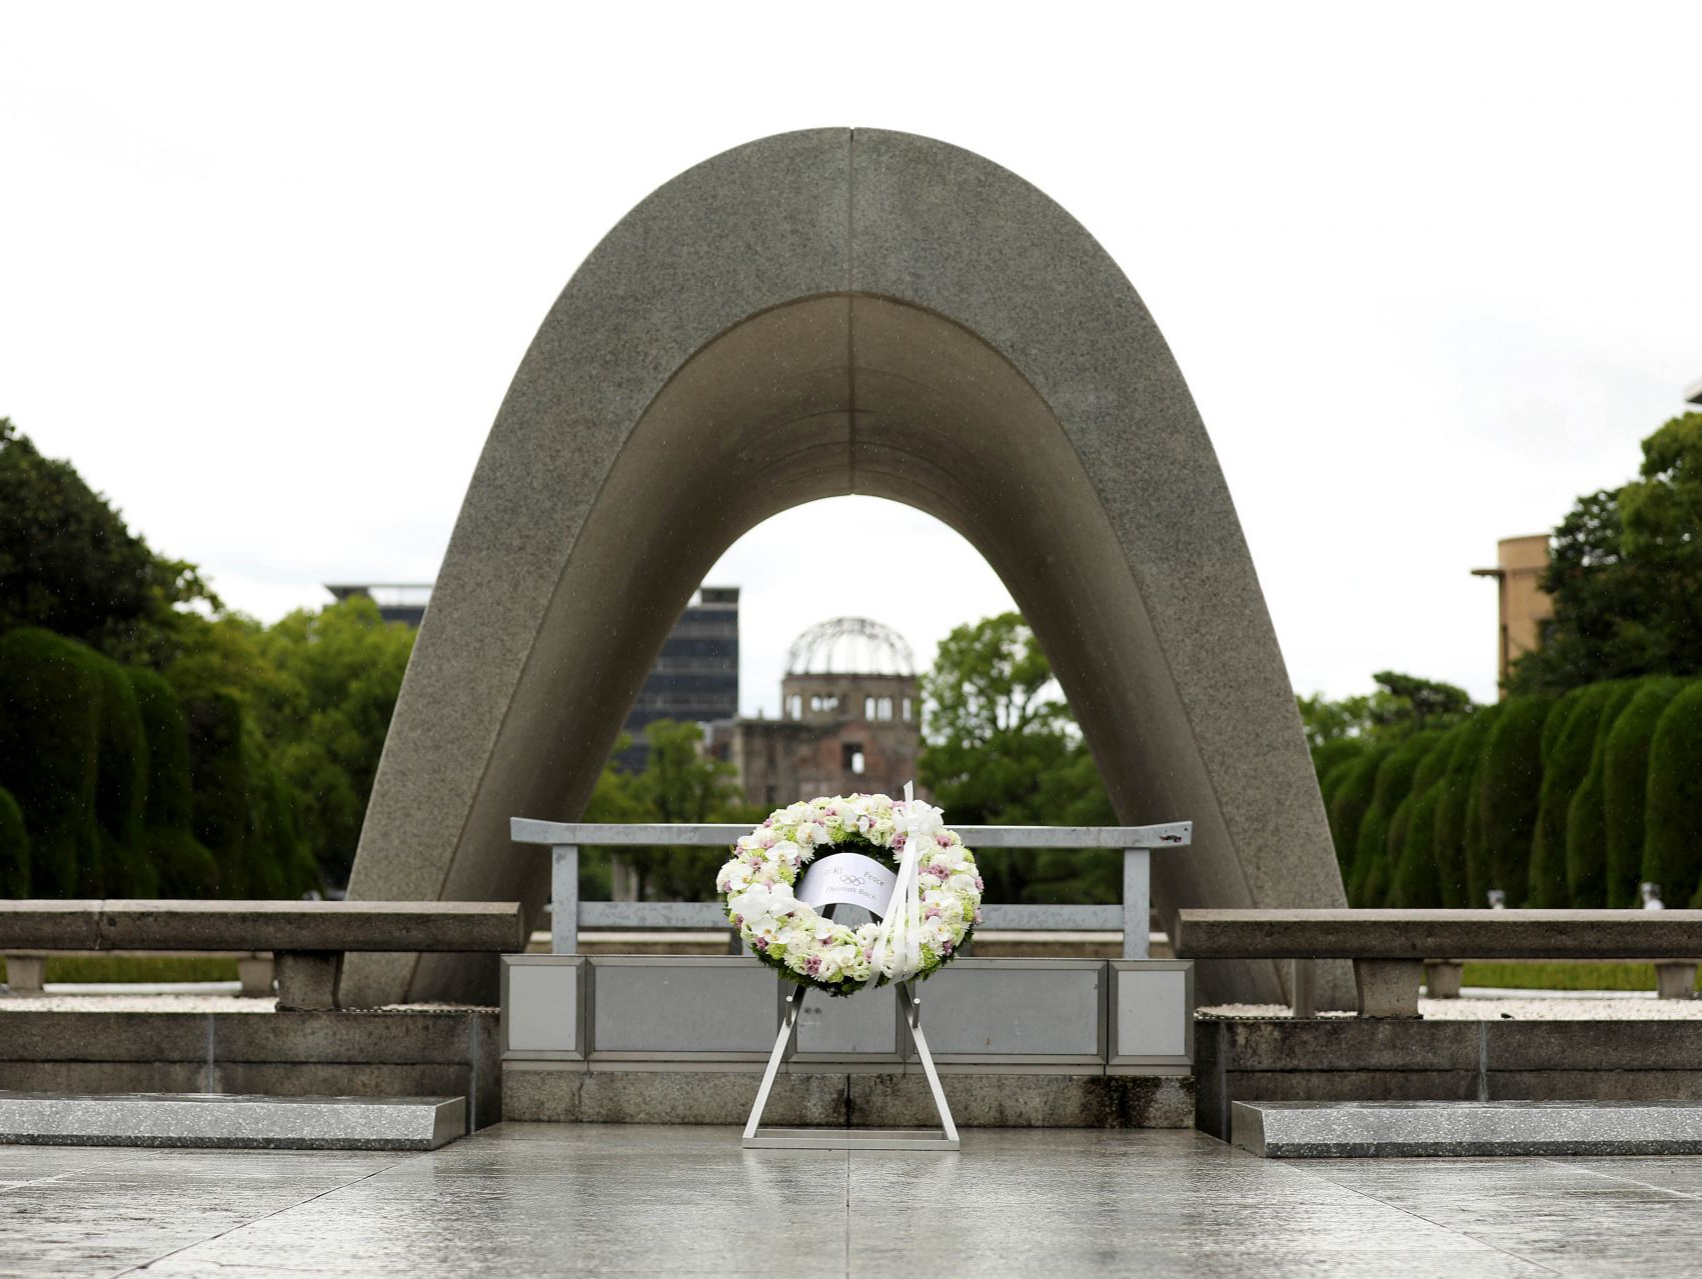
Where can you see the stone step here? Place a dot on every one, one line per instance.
(1400, 1129)
(230, 1121)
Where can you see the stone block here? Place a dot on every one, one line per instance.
(256, 974)
(26, 971)
(1442, 979)
(668, 1097)
(28, 1035)
(1595, 1085)
(1341, 1043)
(1387, 987)
(49, 925)
(1024, 1101)
(445, 1036)
(307, 981)
(1592, 1045)
(1676, 979)
(104, 1076)
(474, 926)
(206, 1121)
(1465, 1130)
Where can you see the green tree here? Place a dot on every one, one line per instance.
(1002, 747)
(1350, 802)
(323, 694)
(69, 565)
(1399, 706)
(1625, 785)
(1510, 779)
(1568, 743)
(14, 849)
(679, 784)
(1415, 874)
(1369, 881)
(1586, 814)
(1625, 574)
(1672, 848)
(1455, 795)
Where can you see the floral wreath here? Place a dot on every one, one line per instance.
(935, 906)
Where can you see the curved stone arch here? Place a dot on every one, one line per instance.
(814, 314)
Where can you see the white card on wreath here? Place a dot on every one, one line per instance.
(849, 878)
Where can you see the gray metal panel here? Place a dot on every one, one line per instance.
(684, 1006)
(652, 915)
(1152, 1012)
(1017, 1010)
(864, 1026)
(1107, 919)
(526, 830)
(543, 1006)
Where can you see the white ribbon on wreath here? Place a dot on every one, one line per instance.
(898, 945)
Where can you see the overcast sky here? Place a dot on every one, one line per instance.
(1431, 270)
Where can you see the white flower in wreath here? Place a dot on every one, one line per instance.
(735, 877)
(787, 854)
(763, 907)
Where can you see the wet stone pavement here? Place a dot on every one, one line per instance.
(548, 1199)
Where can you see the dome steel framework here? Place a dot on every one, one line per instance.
(850, 646)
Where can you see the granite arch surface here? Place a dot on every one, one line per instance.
(813, 314)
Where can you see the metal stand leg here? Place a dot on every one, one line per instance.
(757, 1137)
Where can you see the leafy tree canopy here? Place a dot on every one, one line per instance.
(1625, 574)
(69, 565)
(1400, 706)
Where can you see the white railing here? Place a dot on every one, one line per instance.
(568, 914)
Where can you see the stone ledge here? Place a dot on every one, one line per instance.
(537, 1091)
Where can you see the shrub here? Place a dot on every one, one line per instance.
(14, 849)
(242, 810)
(121, 792)
(1369, 879)
(1412, 854)
(1456, 793)
(1586, 816)
(50, 729)
(183, 865)
(1331, 782)
(1352, 797)
(1672, 841)
(1625, 785)
(1327, 756)
(1568, 741)
(1510, 779)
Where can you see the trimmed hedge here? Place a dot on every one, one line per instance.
(1456, 794)
(1625, 786)
(1371, 872)
(1509, 783)
(1568, 743)
(1672, 847)
(14, 849)
(1350, 801)
(1412, 834)
(121, 792)
(50, 732)
(243, 809)
(184, 866)
(1586, 815)
(1328, 756)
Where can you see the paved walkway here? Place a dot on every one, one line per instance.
(543, 1199)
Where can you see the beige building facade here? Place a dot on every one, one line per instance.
(1520, 564)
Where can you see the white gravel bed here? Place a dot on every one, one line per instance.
(1526, 1005)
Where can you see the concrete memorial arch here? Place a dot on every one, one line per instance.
(813, 314)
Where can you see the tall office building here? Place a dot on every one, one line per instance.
(696, 678)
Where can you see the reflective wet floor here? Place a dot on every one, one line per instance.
(548, 1199)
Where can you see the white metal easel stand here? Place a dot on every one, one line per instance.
(758, 1137)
